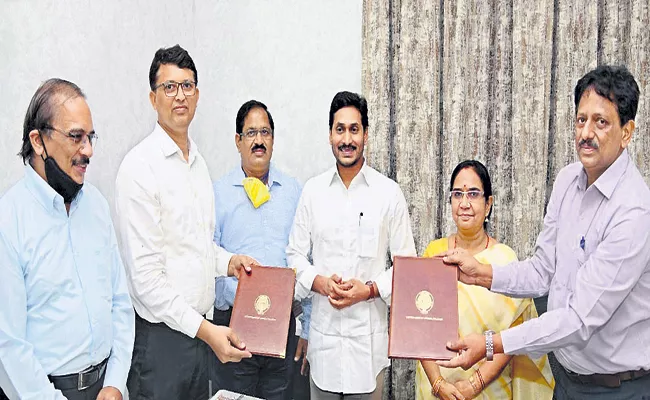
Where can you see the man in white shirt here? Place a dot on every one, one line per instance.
(349, 218)
(165, 207)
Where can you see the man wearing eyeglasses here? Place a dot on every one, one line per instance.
(256, 203)
(592, 258)
(66, 326)
(165, 206)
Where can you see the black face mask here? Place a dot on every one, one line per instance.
(59, 180)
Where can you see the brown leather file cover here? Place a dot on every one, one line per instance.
(424, 309)
(262, 310)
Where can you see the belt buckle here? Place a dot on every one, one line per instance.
(84, 380)
(80, 382)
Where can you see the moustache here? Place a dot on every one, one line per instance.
(259, 147)
(81, 161)
(588, 143)
(347, 147)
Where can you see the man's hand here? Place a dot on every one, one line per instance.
(472, 272)
(348, 293)
(109, 393)
(325, 285)
(239, 264)
(301, 351)
(223, 341)
(471, 348)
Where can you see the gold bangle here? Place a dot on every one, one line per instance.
(435, 388)
(480, 378)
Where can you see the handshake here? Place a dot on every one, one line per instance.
(342, 293)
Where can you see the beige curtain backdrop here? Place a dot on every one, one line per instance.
(449, 80)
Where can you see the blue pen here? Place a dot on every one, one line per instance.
(582, 243)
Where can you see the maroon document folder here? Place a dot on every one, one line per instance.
(424, 309)
(262, 310)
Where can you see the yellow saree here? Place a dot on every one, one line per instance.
(480, 310)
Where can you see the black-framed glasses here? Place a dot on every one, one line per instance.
(171, 88)
(472, 195)
(252, 133)
(78, 137)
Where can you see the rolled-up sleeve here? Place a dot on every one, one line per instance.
(602, 284)
(139, 214)
(123, 316)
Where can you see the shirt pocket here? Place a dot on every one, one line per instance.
(368, 237)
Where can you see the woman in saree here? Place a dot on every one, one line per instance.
(479, 310)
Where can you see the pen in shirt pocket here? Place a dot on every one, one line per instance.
(582, 243)
(360, 215)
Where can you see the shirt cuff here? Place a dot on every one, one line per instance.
(116, 378)
(385, 285)
(222, 263)
(305, 282)
(190, 323)
(514, 340)
(499, 278)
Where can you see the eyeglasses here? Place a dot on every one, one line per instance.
(472, 195)
(78, 138)
(252, 133)
(171, 88)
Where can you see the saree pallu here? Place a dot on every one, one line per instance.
(479, 310)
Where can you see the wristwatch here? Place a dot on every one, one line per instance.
(373, 293)
(489, 345)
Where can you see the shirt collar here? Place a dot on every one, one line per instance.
(169, 147)
(606, 183)
(238, 175)
(363, 177)
(44, 193)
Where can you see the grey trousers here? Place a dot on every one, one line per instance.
(318, 394)
(566, 389)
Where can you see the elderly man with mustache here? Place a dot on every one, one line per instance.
(67, 322)
(592, 258)
(255, 205)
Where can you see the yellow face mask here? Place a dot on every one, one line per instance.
(257, 191)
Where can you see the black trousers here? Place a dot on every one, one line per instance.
(269, 378)
(301, 390)
(566, 389)
(167, 364)
(89, 393)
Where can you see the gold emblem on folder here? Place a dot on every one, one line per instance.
(424, 301)
(262, 304)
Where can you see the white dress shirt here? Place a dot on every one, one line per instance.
(593, 259)
(165, 208)
(349, 233)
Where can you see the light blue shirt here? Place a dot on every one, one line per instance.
(65, 302)
(261, 233)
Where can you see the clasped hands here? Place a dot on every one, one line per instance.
(341, 293)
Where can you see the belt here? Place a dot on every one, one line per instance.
(82, 380)
(606, 380)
